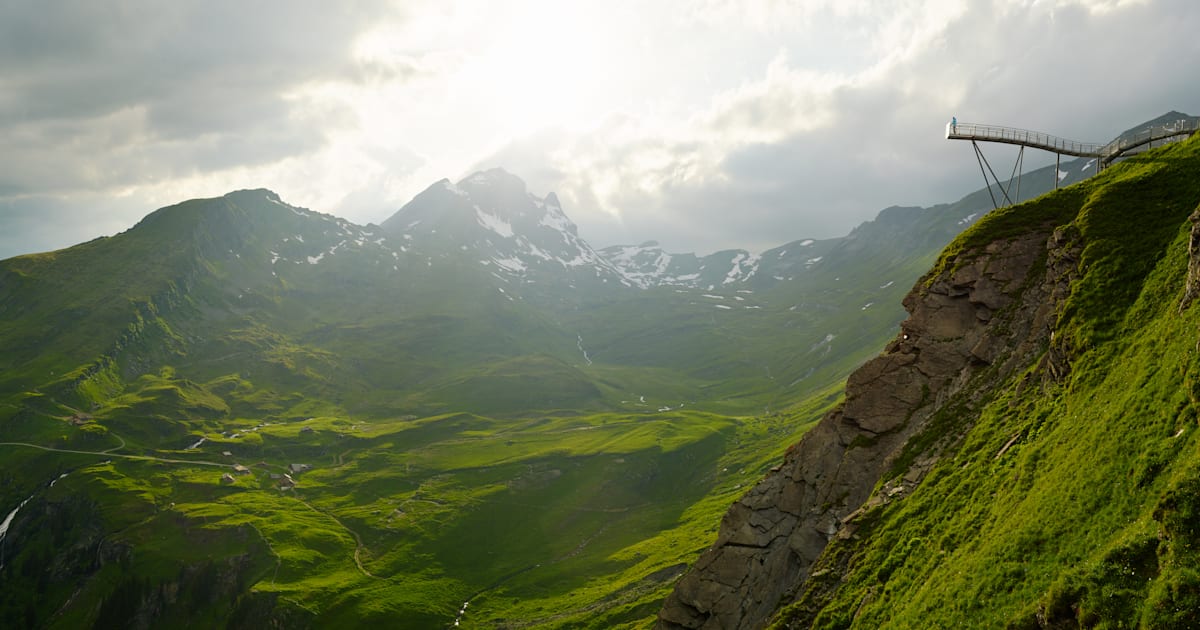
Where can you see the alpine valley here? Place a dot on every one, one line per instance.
(241, 413)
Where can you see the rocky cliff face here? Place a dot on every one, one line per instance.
(985, 314)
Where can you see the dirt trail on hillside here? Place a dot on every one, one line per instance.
(109, 453)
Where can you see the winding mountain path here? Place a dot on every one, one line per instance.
(115, 448)
(109, 453)
(358, 543)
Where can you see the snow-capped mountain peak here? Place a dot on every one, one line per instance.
(492, 218)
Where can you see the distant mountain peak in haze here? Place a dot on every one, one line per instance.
(491, 216)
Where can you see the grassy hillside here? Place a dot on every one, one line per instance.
(461, 447)
(555, 462)
(1069, 501)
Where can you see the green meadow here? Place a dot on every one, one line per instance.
(548, 521)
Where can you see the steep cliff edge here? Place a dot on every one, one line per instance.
(991, 342)
(770, 538)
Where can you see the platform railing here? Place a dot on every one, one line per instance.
(1026, 137)
(1169, 132)
(1036, 139)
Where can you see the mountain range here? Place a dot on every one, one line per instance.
(241, 413)
(470, 358)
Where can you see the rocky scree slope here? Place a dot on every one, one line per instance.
(1029, 320)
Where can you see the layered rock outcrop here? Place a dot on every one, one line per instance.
(987, 313)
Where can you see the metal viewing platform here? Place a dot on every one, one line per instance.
(1103, 154)
(1022, 137)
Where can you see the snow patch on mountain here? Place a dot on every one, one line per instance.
(745, 265)
(494, 223)
(648, 265)
(294, 209)
(644, 265)
(511, 264)
(555, 219)
(534, 250)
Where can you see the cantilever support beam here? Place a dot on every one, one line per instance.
(985, 168)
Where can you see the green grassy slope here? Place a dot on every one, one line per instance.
(1067, 503)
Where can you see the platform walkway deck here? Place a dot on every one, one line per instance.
(1106, 153)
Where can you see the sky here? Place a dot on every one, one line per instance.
(701, 124)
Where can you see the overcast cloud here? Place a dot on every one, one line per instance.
(704, 124)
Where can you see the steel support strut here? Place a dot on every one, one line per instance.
(984, 162)
(1017, 173)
